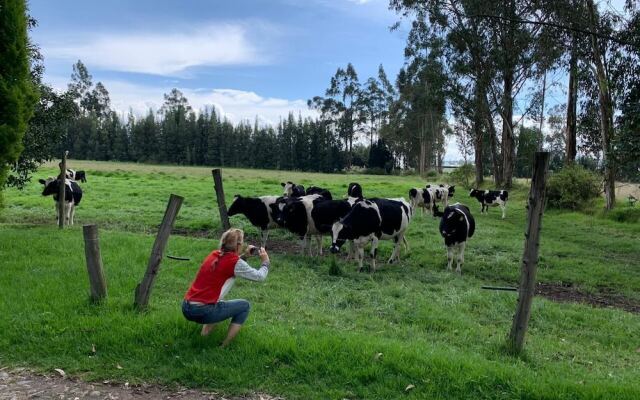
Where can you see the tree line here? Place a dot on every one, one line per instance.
(494, 62)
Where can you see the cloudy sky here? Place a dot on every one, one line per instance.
(248, 58)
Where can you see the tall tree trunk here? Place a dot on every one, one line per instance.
(572, 104)
(495, 154)
(508, 145)
(423, 147)
(478, 133)
(544, 90)
(606, 115)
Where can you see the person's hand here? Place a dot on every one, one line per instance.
(264, 257)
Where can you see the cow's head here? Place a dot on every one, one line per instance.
(340, 233)
(452, 190)
(451, 222)
(354, 190)
(237, 206)
(51, 186)
(475, 193)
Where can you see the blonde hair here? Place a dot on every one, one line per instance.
(230, 239)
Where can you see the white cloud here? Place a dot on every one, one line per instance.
(235, 105)
(163, 53)
(359, 1)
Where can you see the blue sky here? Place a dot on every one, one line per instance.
(248, 58)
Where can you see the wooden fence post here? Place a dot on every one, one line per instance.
(535, 206)
(61, 190)
(94, 263)
(143, 290)
(217, 185)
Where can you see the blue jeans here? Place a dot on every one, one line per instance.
(237, 310)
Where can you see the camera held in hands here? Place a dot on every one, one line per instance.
(254, 251)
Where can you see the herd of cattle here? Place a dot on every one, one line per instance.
(313, 213)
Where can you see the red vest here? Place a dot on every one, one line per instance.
(211, 277)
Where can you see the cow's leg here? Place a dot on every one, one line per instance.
(449, 257)
(304, 245)
(319, 242)
(264, 235)
(374, 253)
(360, 256)
(352, 251)
(72, 212)
(396, 250)
(460, 257)
(504, 208)
(406, 244)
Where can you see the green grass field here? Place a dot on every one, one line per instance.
(313, 335)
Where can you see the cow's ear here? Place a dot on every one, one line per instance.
(42, 181)
(428, 186)
(282, 184)
(452, 187)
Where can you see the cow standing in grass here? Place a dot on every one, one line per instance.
(259, 212)
(421, 198)
(491, 198)
(72, 197)
(456, 226)
(373, 220)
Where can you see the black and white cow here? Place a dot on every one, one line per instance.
(296, 215)
(370, 221)
(259, 212)
(440, 194)
(321, 191)
(72, 197)
(421, 198)
(456, 226)
(354, 190)
(491, 198)
(76, 175)
(292, 190)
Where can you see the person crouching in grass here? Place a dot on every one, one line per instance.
(204, 301)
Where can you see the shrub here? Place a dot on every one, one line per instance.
(573, 187)
(624, 214)
(463, 175)
(432, 173)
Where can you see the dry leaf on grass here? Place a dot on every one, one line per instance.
(61, 372)
(118, 366)
(409, 387)
(377, 356)
(93, 348)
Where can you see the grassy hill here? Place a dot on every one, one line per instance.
(312, 334)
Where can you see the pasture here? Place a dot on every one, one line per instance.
(313, 334)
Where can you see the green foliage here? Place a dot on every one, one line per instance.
(573, 187)
(380, 156)
(624, 214)
(431, 174)
(17, 92)
(312, 335)
(526, 150)
(463, 175)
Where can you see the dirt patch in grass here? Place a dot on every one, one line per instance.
(567, 292)
(20, 383)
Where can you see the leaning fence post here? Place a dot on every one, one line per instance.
(61, 189)
(217, 185)
(94, 263)
(535, 206)
(143, 290)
